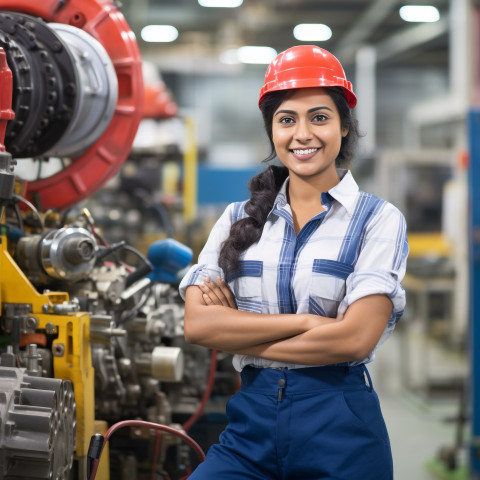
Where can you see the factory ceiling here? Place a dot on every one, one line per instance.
(205, 32)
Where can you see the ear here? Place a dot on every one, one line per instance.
(345, 131)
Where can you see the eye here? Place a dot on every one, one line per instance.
(319, 117)
(286, 120)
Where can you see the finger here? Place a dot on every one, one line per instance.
(207, 299)
(215, 288)
(206, 290)
(227, 292)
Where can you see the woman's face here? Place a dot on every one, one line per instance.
(307, 133)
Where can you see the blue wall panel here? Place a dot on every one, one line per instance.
(224, 185)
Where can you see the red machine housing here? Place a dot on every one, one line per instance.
(89, 171)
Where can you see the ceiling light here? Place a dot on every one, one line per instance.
(312, 32)
(220, 3)
(230, 57)
(419, 13)
(159, 33)
(259, 55)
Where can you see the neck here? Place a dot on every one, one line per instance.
(306, 191)
(305, 199)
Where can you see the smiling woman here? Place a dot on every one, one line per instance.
(301, 283)
(307, 139)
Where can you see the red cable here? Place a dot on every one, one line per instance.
(158, 442)
(206, 394)
(154, 426)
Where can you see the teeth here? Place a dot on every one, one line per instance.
(305, 152)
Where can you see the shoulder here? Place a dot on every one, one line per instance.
(379, 212)
(233, 212)
(237, 211)
(377, 205)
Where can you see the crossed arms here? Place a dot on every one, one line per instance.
(212, 320)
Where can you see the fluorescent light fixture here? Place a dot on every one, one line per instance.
(230, 57)
(258, 55)
(419, 13)
(159, 33)
(220, 3)
(312, 32)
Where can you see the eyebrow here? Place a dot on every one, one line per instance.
(314, 109)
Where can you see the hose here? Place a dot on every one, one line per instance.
(96, 445)
(206, 394)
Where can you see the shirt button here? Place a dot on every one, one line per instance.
(281, 382)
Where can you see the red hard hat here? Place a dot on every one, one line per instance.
(306, 66)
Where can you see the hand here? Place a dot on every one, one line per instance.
(217, 293)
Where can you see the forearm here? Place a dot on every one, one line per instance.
(321, 345)
(351, 339)
(228, 329)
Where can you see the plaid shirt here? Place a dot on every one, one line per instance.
(356, 247)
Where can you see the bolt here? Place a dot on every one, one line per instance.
(46, 308)
(70, 89)
(50, 328)
(31, 322)
(57, 47)
(58, 349)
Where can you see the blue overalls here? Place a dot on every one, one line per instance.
(302, 424)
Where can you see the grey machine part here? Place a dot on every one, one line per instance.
(37, 424)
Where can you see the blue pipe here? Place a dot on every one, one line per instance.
(474, 251)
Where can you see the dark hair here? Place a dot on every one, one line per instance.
(264, 187)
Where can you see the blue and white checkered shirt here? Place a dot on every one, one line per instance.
(356, 247)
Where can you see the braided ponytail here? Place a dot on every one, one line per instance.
(245, 232)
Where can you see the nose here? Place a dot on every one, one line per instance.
(303, 131)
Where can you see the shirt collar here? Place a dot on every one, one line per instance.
(345, 192)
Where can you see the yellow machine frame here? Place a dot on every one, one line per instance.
(72, 358)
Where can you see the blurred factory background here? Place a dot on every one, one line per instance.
(109, 188)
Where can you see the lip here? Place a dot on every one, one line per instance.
(304, 153)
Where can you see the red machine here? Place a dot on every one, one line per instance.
(85, 113)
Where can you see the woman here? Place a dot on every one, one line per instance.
(301, 283)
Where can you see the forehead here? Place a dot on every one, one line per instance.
(308, 98)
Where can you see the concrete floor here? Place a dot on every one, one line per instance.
(418, 423)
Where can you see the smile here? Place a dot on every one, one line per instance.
(305, 151)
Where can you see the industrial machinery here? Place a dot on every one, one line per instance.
(91, 333)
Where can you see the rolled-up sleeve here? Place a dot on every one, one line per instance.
(381, 264)
(207, 265)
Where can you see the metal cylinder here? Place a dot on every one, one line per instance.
(167, 364)
(102, 329)
(164, 363)
(68, 253)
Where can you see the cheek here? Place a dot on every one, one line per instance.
(335, 139)
(278, 137)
